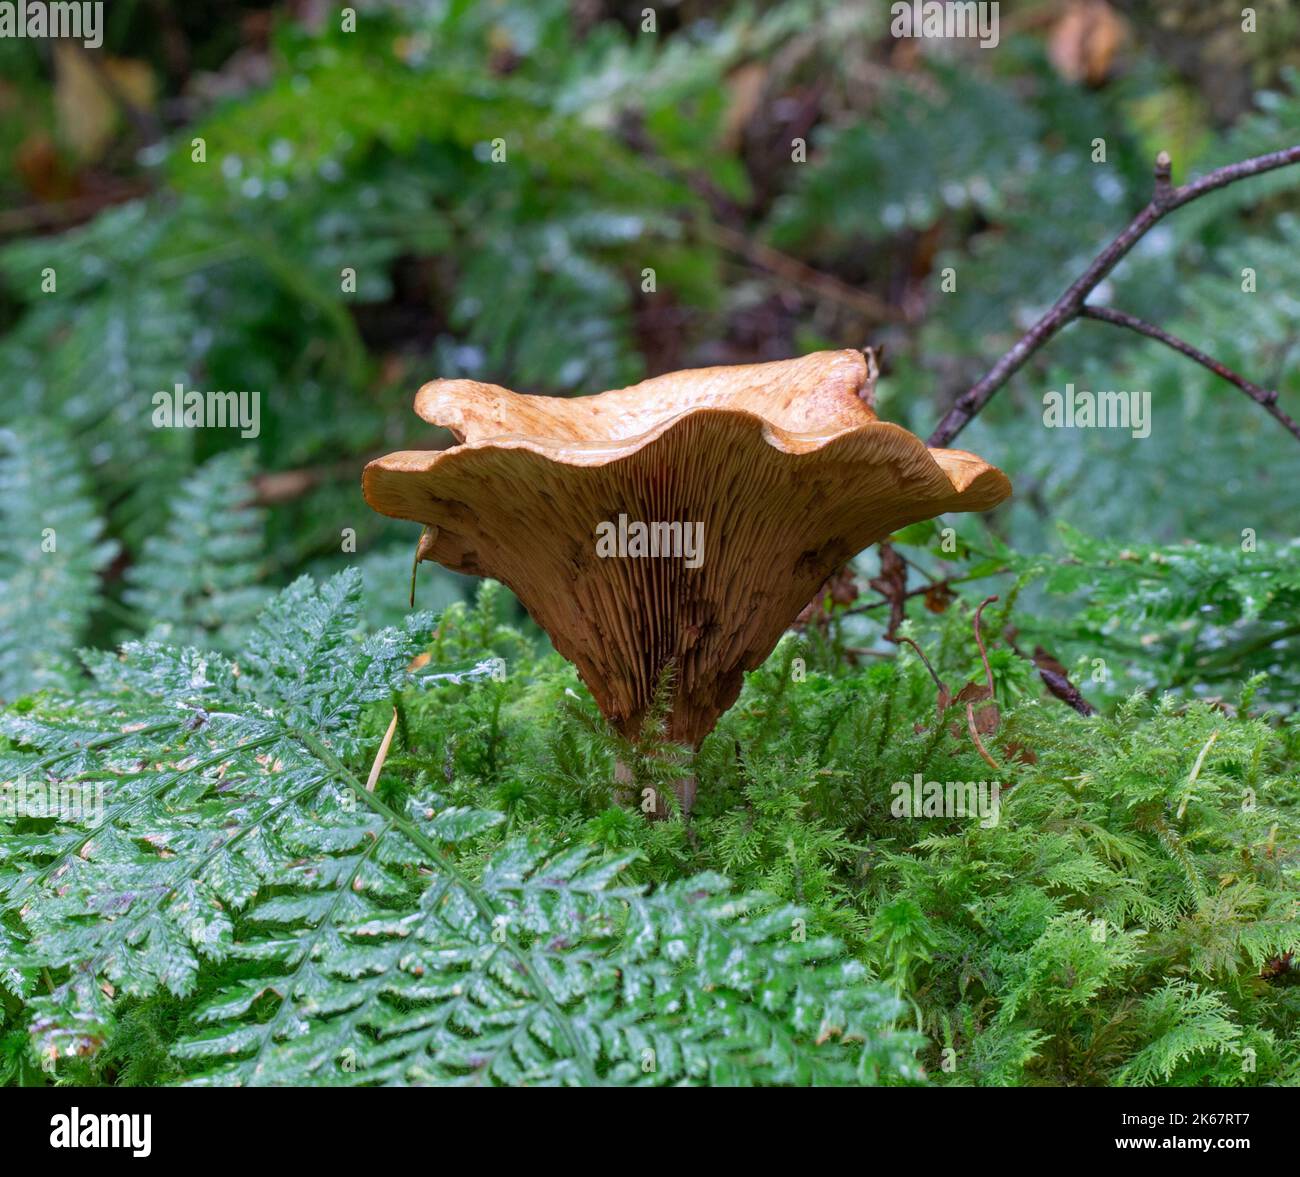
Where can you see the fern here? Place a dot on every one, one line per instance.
(197, 580)
(233, 905)
(52, 549)
(1184, 1022)
(346, 939)
(1185, 613)
(130, 338)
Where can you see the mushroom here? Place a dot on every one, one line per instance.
(671, 531)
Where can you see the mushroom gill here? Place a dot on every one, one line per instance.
(782, 471)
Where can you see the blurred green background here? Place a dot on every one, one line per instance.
(674, 149)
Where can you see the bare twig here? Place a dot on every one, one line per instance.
(892, 585)
(1165, 198)
(938, 682)
(799, 273)
(945, 582)
(378, 766)
(1264, 397)
(754, 252)
(979, 641)
(1164, 179)
(943, 700)
(55, 215)
(975, 735)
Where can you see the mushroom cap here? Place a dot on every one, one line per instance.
(785, 465)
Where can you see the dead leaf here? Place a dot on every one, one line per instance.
(88, 93)
(979, 744)
(841, 588)
(1276, 966)
(938, 597)
(1019, 752)
(985, 719)
(283, 485)
(1083, 42)
(44, 174)
(1057, 681)
(745, 88)
(974, 692)
(892, 585)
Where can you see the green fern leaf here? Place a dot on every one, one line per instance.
(52, 549)
(197, 581)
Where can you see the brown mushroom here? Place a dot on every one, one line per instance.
(782, 471)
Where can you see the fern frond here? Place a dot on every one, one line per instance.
(1183, 1022)
(340, 939)
(197, 581)
(52, 548)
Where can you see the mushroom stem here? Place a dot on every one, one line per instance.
(651, 797)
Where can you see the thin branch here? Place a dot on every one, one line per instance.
(979, 641)
(979, 744)
(1264, 397)
(798, 273)
(943, 583)
(1068, 307)
(57, 214)
(756, 253)
(938, 682)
